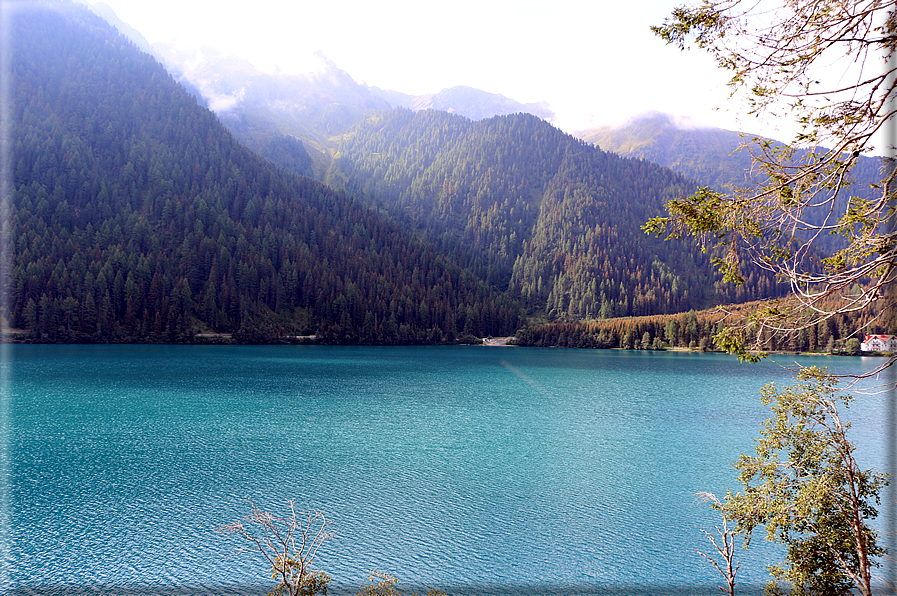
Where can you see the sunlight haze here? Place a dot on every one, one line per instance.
(595, 63)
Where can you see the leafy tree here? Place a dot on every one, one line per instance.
(805, 485)
(776, 60)
(380, 584)
(289, 545)
(384, 584)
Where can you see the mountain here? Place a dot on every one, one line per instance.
(294, 119)
(717, 158)
(711, 156)
(534, 211)
(108, 14)
(269, 111)
(137, 216)
(287, 118)
(467, 101)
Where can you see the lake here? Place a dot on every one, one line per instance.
(469, 469)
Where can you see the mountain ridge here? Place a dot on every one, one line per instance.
(533, 209)
(266, 110)
(136, 216)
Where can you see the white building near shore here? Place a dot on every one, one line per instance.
(879, 343)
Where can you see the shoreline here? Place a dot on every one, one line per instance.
(20, 337)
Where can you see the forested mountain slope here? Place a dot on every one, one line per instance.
(724, 160)
(534, 210)
(137, 216)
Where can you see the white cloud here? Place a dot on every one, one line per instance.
(223, 103)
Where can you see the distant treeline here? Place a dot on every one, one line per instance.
(696, 330)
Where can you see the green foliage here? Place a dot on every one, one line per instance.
(383, 584)
(313, 582)
(784, 219)
(701, 210)
(640, 333)
(380, 584)
(805, 486)
(852, 346)
(722, 328)
(733, 341)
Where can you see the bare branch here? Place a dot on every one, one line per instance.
(289, 544)
(726, 548)
(782, 221)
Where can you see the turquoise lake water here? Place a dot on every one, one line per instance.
(469, 469)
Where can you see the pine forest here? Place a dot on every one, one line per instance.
(137, 216)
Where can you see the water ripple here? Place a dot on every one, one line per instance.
(521, 469)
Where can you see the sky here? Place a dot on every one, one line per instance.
(594, 61)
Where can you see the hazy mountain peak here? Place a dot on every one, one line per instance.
(663, 120)
(322, 99)
(707, 154)
(467, 101)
